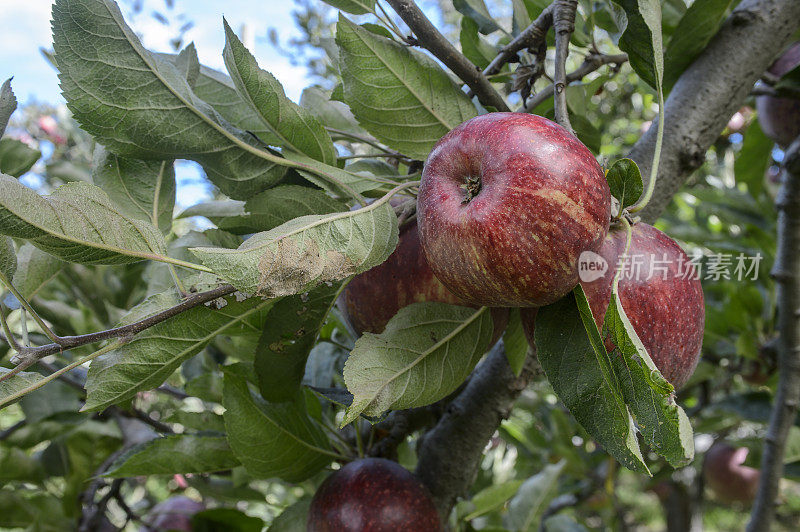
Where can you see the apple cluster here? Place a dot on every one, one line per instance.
(507, 205)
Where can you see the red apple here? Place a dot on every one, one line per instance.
(727, 477)
(780, 117)
(659, 294)
(372, 495)
(507, 203)
(371, 299)
(174, 513)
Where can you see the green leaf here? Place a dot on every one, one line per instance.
(34, 510)
(400, 96)
(8, 260)
(516, 345)
(144, 190)
(35, 269)
(578, 368)
(329, 112)
(272, 439)
(473, 46)
(293, 518)
(651, 400)
(492, 498)
(527, 507)
(642, 39)
(695, 29)
(336, 180)
(477, 11)
(354, 7)
(205, 420)
(217, 90)
(563, 523)
(425, 352)
(267, 210)
(625, 182)
(154, 354)
(306, 251)
(752, 161)
(290, 331)
(227, 519)
(16, 384)
(295, 128)
(77, 223)
(16, 157)
(174, 454)
(149, 111)
(8, 104)
(188, 64)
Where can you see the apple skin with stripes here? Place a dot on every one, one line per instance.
(507, 204)
(370, 300)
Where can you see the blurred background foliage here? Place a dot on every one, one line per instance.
(49, 452)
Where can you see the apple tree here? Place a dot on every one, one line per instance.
(414, 302)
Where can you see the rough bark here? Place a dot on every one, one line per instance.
(449, 454)
(787, 274)
(713, 88)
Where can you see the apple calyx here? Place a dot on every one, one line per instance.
(472, 188)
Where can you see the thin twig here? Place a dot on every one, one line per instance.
(29, 356)
(530, 37)
(591, 63)
(5, 433)
(432, 40)
(786, 273)
(564, 25)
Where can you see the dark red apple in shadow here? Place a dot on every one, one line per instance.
(727, 477)
(780, 117)
(370, 300)
(659, 294)
(372, 495)
(174, 513)
(507, 203)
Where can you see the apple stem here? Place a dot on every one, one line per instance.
(564, 25)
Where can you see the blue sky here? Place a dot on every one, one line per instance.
(25, 28)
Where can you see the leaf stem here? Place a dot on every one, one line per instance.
(35, 315)
(359, 439)
(651, 183)
(38, 384)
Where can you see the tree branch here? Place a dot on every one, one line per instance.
(531, 37)
(786, 272)
(449, 453)
(590, 64)
(711, 89)
(30, 355)
(564, 25)
(436, 43)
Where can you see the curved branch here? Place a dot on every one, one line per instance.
(30, 355)
(436, 43)
(590, 64)
(531, 37)
(564, 25)
(787, 274)
(710, 91)
(449, 453)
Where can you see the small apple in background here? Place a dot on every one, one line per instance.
(665, 307)
(780, 117)
(726, 476)
(174, 513)
(372, 495)
(370, 300)
(507, 203)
